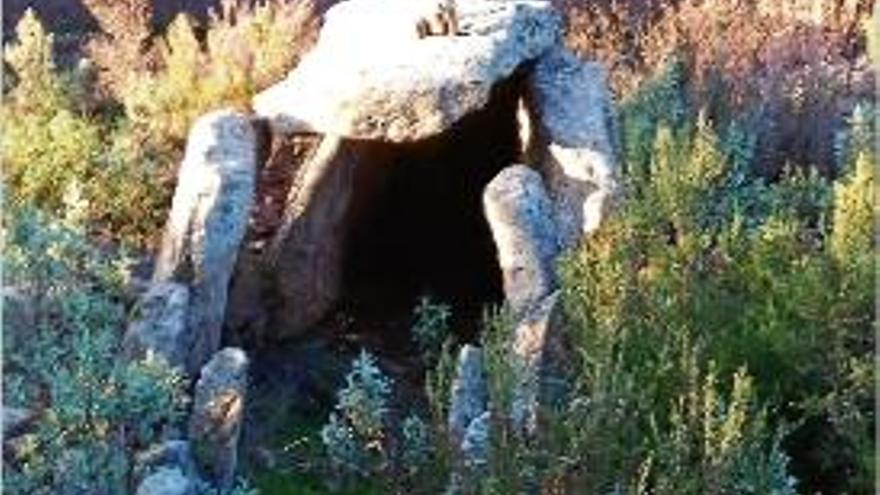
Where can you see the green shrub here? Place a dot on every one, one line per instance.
(371, 443)
(62, 331)
(716, 446)
(431, 328)
(355, 436)
(60, 132)
(45, 144)
(245, 49)
(51, 146)
(774, 277)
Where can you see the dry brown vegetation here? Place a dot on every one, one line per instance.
(798, 67)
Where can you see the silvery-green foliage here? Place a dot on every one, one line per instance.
(61, 338)
(355, 436)
(766, 472)
(416, 443)
(343, 447)
(431, 327)
(364, 400)
(438, 382)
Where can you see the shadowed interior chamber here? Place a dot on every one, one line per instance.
(419, 229)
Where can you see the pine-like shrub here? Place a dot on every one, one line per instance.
(430, 329)
(356, 435)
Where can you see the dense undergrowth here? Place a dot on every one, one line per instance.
(722, 320)
(110, 130)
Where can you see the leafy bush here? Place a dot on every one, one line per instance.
(61, 131)
(355, 436)
(45, 144)
(51, 145)
(708, 256)
(715, 445)
(366, 443)
(706, 271)
(431, 328)
(62, 330)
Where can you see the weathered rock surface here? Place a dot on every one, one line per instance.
(306, 255)
(208, 220)
(371, 77)
(175, 454)
(15, 421)
(520, 215)
(218, 411)
(538, 343)
(167, 481)
(160, 325)
(476, 443)
(469, 395)
(573, 142)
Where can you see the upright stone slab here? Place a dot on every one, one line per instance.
(520, 215)
(207, 223)
(218, 411)
(159, 326)
(573, 140)
(468, 421)
(167, 481)
(307, 253)
(469, 395)
(538, 343)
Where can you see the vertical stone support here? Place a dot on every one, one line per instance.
(208, 220)
(572, 140)
(218, 411)
(520, 216)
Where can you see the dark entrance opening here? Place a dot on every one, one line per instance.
(420, 230)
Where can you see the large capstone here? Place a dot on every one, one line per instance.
(372, 77)
(306, 255)
(207, 223)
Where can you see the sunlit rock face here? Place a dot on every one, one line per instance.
(207, 223)
(521, 217)
(372, 76)
(572, 121)
(159, 327)
(217, 415)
